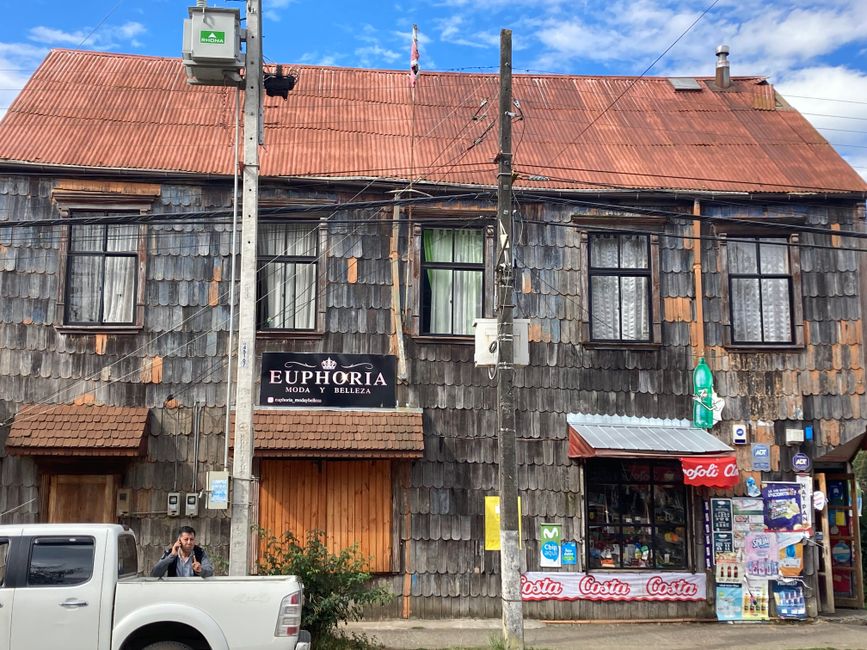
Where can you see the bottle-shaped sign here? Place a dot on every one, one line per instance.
(702, 405)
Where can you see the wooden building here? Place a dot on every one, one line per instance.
(634, 196)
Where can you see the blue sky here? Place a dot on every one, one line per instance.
(815, 53)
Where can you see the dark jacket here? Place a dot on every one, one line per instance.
(167, 566)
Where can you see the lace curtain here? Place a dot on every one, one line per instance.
(760, 305)
(620, 305)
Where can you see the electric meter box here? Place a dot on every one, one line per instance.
(214, 35)
(191, 505)
(173, 504)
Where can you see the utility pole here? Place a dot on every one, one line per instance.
(242, 467)
(510, 559)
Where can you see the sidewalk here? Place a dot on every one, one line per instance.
(845, 631)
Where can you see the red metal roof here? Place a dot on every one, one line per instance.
(323, 433)
(114, 111)
(78, 430)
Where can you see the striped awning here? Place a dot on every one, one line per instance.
(593, 435)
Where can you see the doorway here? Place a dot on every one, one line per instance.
(82, 498)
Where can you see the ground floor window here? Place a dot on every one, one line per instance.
(637, 515)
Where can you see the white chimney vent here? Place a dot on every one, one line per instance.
(723, 74)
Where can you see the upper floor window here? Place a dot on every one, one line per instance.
(102, 273)
(453, 277)
(288, 276)
(620, 287)
(760, 290)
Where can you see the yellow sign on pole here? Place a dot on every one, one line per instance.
(492, 523)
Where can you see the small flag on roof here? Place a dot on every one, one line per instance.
(413, 57)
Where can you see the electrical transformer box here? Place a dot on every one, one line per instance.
(214, 35)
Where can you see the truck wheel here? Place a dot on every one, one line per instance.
(167, 645)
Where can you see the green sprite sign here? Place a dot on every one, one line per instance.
(212, 37)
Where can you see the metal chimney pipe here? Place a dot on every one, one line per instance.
(201, 3)
(723, 74)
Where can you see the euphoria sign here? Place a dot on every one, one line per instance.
(333, 380)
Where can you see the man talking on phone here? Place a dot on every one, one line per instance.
(184, 559)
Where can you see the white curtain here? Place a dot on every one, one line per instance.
(455, 294)
(288, 288)
(760, 306)
(620, 307)
(118, 292)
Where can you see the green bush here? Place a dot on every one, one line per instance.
(337, 588)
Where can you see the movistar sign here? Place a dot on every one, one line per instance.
(212, 37)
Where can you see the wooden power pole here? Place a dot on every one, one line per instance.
(242, 464)
(510, 559)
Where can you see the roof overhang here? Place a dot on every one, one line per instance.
(78, 430)
(846, 452)
(612, 436)
(337, 433)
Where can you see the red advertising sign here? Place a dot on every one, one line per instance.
(609, 586)
(716, 471)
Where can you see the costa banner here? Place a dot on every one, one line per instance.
(716, 471)
(611, 586)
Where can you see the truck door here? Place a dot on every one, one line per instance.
(57, 602)
(5, 597)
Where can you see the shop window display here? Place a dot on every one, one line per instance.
(636, 515)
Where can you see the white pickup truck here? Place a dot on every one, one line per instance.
(75, 586)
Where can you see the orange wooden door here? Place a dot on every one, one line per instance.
(82, 499)
(351, 501)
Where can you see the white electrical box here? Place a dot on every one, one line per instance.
(173, 504)
(794, 436)
(739, 433)
(212, 46)
(218, 490)
(486, 341)
(123, 500)
(191, 505)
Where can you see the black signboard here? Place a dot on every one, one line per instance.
(723, 543)
(335, 380)
(721, 514)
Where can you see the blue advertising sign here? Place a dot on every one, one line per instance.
(761, 457)
(801, 463)
(570, 553)
(782, 504)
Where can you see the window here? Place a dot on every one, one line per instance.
(60, 561)
(102, 273)
(453, 275)
(287, 280)
(620, 287)
(760, 290)
(4, 553)
(636, 515)
(127, 558)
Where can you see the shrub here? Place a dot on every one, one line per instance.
(337, 587)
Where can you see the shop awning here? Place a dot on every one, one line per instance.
(78, 430)
(337, 433)
(844, 453)
(593, 436)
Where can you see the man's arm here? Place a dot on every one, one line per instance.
(163, 565)
(207, 568)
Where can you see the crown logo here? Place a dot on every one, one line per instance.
(329, 364)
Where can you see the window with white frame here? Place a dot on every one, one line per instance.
(287, 276)
(620, 287)
(760, 290)
(453, 275)
(102, 273)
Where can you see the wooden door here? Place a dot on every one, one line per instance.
(82, 498)
(350, 501)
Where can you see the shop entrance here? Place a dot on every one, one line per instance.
(841, 582)
(82, 498)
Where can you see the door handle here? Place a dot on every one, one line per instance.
(73, 603)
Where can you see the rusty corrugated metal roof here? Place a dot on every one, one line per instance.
(78, 430)
(113, 111)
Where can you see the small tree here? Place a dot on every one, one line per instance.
(337, 587)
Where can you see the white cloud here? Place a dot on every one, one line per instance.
(105, 37)
(315, 58)
(17, 62)
(273, 7)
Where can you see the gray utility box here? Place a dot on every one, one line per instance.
(212, 46)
